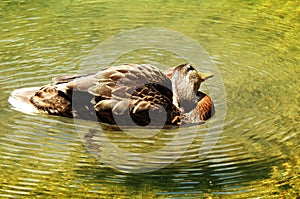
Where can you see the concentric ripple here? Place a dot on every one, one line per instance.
(255, 46)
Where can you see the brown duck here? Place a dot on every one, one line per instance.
(133, 90)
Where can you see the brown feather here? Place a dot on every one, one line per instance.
(135, 88)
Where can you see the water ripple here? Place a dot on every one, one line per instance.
(255, 46)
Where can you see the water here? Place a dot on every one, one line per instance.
(255, 45)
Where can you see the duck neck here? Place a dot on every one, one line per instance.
(184, 96)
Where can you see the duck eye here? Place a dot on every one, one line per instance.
(190, 68)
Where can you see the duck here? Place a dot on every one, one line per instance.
(128, 94)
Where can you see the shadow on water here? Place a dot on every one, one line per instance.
(231, 167)
(190, 179)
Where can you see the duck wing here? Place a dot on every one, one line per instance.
(131, 89)
(121, 90)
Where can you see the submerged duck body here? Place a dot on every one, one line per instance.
(131, 90)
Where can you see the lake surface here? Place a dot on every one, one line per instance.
(254, 153)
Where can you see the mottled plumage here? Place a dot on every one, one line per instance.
(121, 91)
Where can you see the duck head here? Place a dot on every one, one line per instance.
(186, 81)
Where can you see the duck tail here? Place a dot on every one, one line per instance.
(48, 99)
(20, 100)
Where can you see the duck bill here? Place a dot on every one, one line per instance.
(205, 76)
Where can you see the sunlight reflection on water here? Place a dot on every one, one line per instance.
(254, 45)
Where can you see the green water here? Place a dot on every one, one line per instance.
(254, 44)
